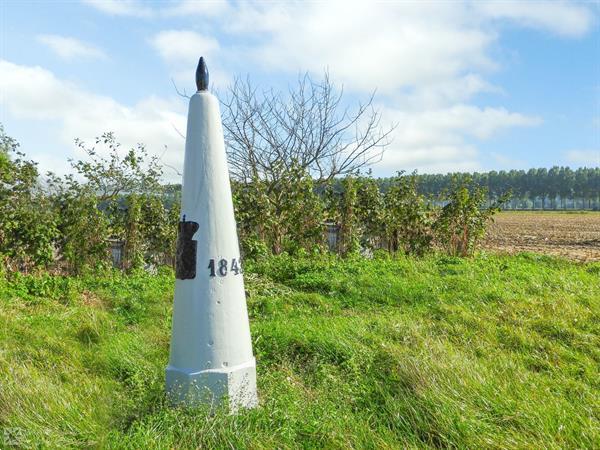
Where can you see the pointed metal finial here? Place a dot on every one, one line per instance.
(202, 75)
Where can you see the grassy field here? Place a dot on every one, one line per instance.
(491, 352)
(569, 234)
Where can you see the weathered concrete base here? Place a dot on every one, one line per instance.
(236, 384)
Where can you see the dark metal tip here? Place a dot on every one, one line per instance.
(202, 75)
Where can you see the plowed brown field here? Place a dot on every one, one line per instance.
(572, 235)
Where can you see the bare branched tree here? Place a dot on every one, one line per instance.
(268, 133)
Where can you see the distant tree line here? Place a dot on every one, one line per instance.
(554, 188)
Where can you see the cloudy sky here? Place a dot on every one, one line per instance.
(471, 85)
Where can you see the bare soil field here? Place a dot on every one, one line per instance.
(571, 235)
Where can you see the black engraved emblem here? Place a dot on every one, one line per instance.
(185, 264)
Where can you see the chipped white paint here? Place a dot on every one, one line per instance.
(211, 352)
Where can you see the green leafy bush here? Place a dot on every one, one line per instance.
(408, 217)
(28, 225)
(463, 220)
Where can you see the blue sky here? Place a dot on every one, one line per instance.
(471, 85)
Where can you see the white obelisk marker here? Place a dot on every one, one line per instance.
(211, 352)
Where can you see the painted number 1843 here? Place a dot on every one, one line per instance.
(222, 267)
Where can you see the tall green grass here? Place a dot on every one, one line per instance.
(491, 352)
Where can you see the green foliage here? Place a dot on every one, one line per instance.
(357, 206)
(119, 198)
(370, 211)
(83, 229)
(285, 216)
(342, 210)
(160, 229)
(392, 352)
(408, 217)
(133, 235)
(252, 214)
(117, 173)
(110, 195)
(463, 220)
(27, 224)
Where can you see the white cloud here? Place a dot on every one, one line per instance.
(137, 8)
(448, 158)
(177, 46)
(122, 7)
(70, 48)
(452, 123)
(205, 8)
(567, 19)
(561, 17)
(445, 92)
(480, 123)
(180, 49)
(258, 17)
(440, 139)
(427, 60)
(584, 157)
(152, 121)
(388, 47)
(392, 45)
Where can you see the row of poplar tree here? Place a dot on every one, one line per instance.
(554, 188)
